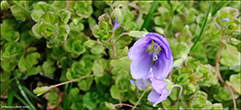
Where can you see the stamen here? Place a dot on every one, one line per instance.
(155, 56)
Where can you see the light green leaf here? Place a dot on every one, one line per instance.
(9, 33)
(40, 90)
(123, 63)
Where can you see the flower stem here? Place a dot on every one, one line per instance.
(180, 92)
(20, 6)
(74, 80)
(141, 97)
(218, 72)
(203, 25)
(122, 104)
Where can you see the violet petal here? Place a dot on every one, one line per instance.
(162, 67)
(141, 83)
(140, 67)
(153, 96)
(162, 97)
(138, 48)
(158, 85)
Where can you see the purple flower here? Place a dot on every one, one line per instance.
(141, 83)
(225, 19)
(151, 49)
(159, 92)
(115, 24)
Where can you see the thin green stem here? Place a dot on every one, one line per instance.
(65, 101)
(180, 92)
(149, 15)
(20, 99)
(10, 98)
(204, 24)
(74, 80)
(22, 91)
(141, 97)
(20, 6)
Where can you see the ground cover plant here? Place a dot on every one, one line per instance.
(120, 54)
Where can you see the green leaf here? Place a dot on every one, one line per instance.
(109, 105)
(4, 89)
(122, 83)
(230, 58)
(77, 26)
(105, 22)
(64, 15)
(50, 18)
(40, 90)
(208, 105)
(90, 100)
(43, 7)
(123, 63)
(78, 47)
(48, 68)
(114, 93)
(36, 15)
(32, 71)
(198, 101)
(11, 50)
(137, 34)
(117, 15)
(91, 22)
(4, 5)
(5, 76)
(65, 61)
(25, 38)
(83, 8)
(37, 29)
(85, 84)
(119, 71)
(74, 92)
(57, 53)
(31, 58)
(234, 82)
(17, 12)
(217, 106)
(8, 66)
(9, 33)
(90, 43)
(99, 66)
(98, 49)
(22, 64)
(79, 69)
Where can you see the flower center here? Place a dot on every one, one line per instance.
(155, 56)
(154, 49)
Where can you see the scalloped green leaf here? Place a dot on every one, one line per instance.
(105, 22)
(50, 18)
(123, 63)
(9, 33)
(43, 6)
(85, 84)
(11, 50)
(98, 49)
(83, 8)
(37, 29)
(122, 83)
(65, 15)
(36, 15)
